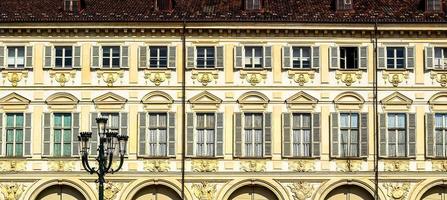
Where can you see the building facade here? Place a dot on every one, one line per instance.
(279, 99)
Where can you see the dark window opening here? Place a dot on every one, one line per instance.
(72, 5)
(349, 58)
(164, 4)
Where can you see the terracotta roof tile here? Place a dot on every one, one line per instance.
(306, 11)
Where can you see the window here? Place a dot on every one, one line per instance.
(72, 5)
(253, 57)
(158, 56)
(349, 135)
(113, 122)
(253, 4)
(397, 141)
(301, 135)
(253, 129)
(349, 58)
(433, 5)
(441, 135)
(395, 57)
(205, 57)
(344, 4)
(164, 4)
(111, 57)
(440, 58)
(16, 57)
(205, 141)
(64, 57)
(62, 134)
(157, 134)
(14, 134)
(301, 57)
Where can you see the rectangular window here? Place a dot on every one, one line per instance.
(62, 135)
(441, 135)
(111, 56)
(301, 57)
(254, 57)
(397, 132)
(205, 141)
(440, 58)
(72, 5)
(205, 57)
(113, 121)
(254, 134)
(301, 135)
(158, 56)
(395, 57)
(349, 58)
(14, 134)
(349, 135)
(158, 134)
(252, 4)
(64, 57)
(434, 5)
(164, 4)
(16, 57)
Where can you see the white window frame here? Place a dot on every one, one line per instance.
(205, 57)
(72, 2)
(396, 132)
(345, 67)
(395, 58)
(253, 137)
(109, 115)
(253, 57)
(110, 57)
(62, 138)
(158, 131)
(301, 57)
(440, 62)
(63, 57)
(443, 130)
(253, 3)
(16, 58)
(205, 135)
(14, 134)
(158, 57)
(301, 130)
(349, 130)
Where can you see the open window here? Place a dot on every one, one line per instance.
(349, 57)
(72, 5)
(253, 4)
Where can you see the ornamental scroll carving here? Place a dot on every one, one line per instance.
(349, 165)
(301, 190)
(156, 165)
(111, 190)
(253, 166)
(12, 165)
(204, 165)
(12, 191)
(204, 191)
(397, 191)
(302, 165)
(61, 166)
(397, 166)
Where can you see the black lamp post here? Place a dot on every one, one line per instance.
(106, 150)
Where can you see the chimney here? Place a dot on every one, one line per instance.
(433, 6)
(342, 5)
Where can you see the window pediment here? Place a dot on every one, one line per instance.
(62, 98)
(396, 101)
(157, 100)
(109, 101)
(349, 101)
(205, 101)
(14, 101)
(253, 101)
(301, 100)
(438, 102)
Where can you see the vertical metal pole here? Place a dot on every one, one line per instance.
(376, 118)
(101, 165)
(183, 107)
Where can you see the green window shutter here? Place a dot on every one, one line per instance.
(76, 119)
(190, 53)
(29, 57)
(94, 139)
(429, 58)
(268, 57)
(316, 134)
(46, 134)
(142, 129)
(77, 56)
(172, 51)
(2, 57)
(96, 58)
(27, 141)
(430, 128)
(238, 57)
(315, 57)
(268, 134)
(410, 57)
(171, 134)
(238, 134)
(48, 57)
(142, 57)
(190, 134)
(382, 134)
(286, 133)
(364, 134)
(363, 52)
(334, 134)
(219, 57)
(335, 57)
(124, 121)
(382, 58)
(286, 57)
(219, 134)
(411, 134)
(124, 56)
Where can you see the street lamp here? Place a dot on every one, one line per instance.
(106, 151)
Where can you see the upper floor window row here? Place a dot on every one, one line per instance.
(62, 57)
(205, 57)
(16, 57)
(110, 57)
(157, 57)
(348, 57)
(396, 57)
(301, 57)
(253, 57)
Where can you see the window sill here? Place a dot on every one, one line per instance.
(161, 69)
(205, 158)
(348, 158)
(254, 158)
(397, 158)
(300, 158)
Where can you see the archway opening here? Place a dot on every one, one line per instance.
(60, 192)
(436, 193)
(156, 192)
(253, 192)
(349, 192)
